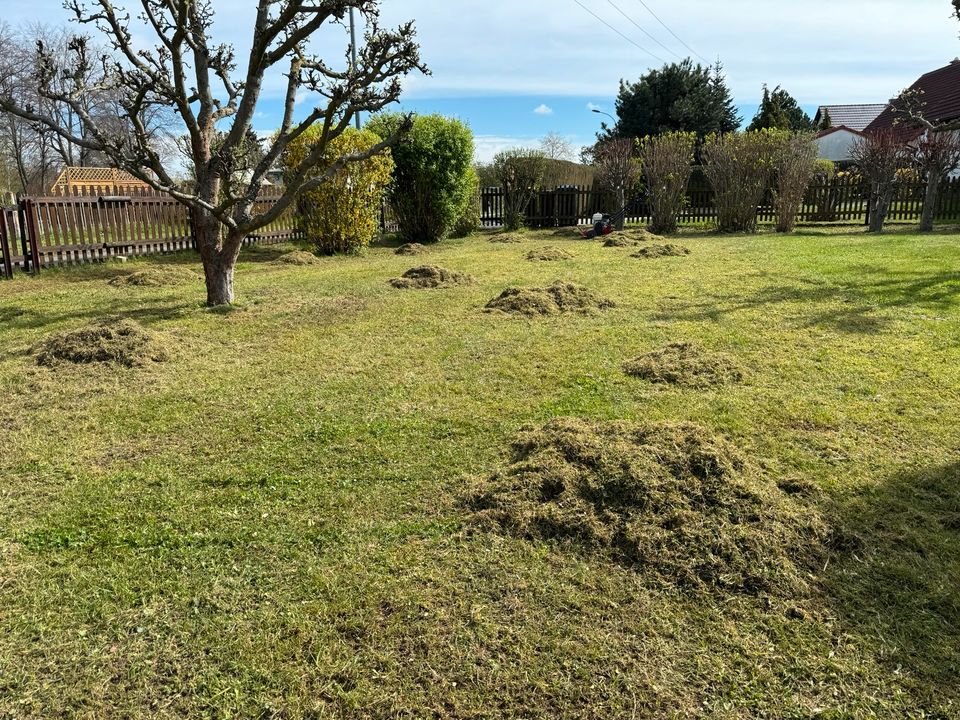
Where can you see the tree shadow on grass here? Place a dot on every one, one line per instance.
(27, 319)
(856, 306)
(896, 583)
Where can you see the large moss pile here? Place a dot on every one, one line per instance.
(686, 364)
(430, 276)
(560, 297)
(118, 341)
(673, 501)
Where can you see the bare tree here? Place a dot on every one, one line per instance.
(937, 155)
(618, 169)
(879, 155)
(794, 165)
(667, 162)
(188, 72)
(555, 147)
(520, 173)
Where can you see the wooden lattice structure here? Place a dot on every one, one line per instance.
(98, 181)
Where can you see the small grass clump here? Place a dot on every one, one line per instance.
(560, 297)
(549, 253)
(430, 276)
(671, 499)
(156, 277)
(411, 249)
(298, 258)
(117, 341)
(686, 364)
(661, 250)
(631, 237)
(508, 237)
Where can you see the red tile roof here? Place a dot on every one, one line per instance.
(939, 93)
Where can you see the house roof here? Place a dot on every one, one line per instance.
(939, 93)
(855, 117)
(839, 128)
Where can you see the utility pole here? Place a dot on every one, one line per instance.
(353, 51)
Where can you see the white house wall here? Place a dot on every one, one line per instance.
(837, 145)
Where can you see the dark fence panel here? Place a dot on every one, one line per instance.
(838, 200)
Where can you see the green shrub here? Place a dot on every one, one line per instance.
(469, 220)
(341, 216)
(431, 176)
(667, 162)
(795, 165)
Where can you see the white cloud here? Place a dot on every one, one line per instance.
(486, 146)
(593, 106)
(542, 109)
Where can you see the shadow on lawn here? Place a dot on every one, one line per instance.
(895, 585)
(856, 307)
(27, 319)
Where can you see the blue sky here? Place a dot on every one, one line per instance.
(494, 63)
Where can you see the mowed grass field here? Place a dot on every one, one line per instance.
(269, 524)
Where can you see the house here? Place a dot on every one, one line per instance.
(938, 94)
(836, 143)
(939, 97)
(853, 117)
(97, 180)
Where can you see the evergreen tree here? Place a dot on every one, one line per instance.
(780, 111)
(826, 122)
(679, 97)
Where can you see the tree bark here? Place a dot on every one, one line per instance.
(930, 202)
(882, 197)
(621, 203)
(219, 259)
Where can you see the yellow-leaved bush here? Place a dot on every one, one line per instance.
(342, 215)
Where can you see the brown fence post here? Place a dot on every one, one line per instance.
(33, 233)
(5, 244)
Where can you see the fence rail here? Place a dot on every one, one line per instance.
(46, 231)
(840, 200)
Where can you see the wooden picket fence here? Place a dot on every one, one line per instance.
(47, 231)
(840, 200)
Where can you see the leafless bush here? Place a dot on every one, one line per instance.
(739, 167)
(795, 164)
(667, 161)
(937, 155)
(879, 156)
(617, 169)
(520, 173)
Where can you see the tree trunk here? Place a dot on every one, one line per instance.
(882, 197)
(621, 204)
(219, 258)
(930, 202)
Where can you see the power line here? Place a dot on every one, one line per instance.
(641, 29)
(672, 32)
(625, 37)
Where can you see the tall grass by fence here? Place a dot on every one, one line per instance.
(46, 231)
(839, 200)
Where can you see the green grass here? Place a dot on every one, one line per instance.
(268, 526)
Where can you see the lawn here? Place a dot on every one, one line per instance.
(270, 524)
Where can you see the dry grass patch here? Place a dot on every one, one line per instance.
(685, 364)
(156, 277)
(298, 257)
(508, 237)
(670, 499)
(117, 341)
(430, 276)
(411, 249)
(549, 253)
(631, 237)
(661, 250)
(560, 297)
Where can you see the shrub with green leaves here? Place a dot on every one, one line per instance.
(469, 220)
(667, 162)
(520, 172)
(341, 216)
(432, 174)
(739, 166)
